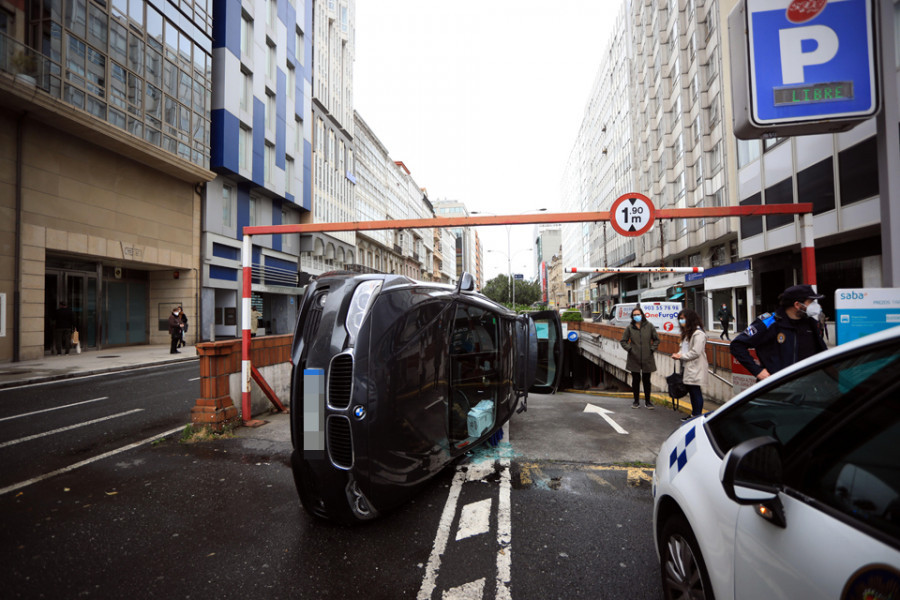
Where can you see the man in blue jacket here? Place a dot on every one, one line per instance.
(784, 337)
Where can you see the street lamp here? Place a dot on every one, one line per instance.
(512, 283)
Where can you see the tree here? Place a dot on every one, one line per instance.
(498, 290)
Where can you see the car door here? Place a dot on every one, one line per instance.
(838, 422)
(545, 351)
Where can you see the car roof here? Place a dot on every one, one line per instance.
(866, 341)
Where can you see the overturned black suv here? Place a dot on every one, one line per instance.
(394, 378)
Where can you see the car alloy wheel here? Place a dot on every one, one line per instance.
(683, 570)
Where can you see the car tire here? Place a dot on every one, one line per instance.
(682, 568)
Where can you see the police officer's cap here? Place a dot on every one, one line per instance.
(800, 293)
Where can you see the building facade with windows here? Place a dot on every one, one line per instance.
(465, 250)
(386, 191)
(104, 119)
(262, 152)
(663, 134)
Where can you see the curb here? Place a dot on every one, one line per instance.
(657, 399)
(101, 371)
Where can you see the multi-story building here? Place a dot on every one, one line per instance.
(386, 191)
(668, 141)
(333, 161)
(838, 174)
(466, 250)
(261, 150)
(104, 120)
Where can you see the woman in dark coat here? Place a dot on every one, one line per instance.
(640, 340)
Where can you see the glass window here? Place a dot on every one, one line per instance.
(170, 78)
(858, 168)
(184, 87)
(780, 193)
(154, 67)
(97, 26)
(154, 28)
(117, 85)
(475, 373)
(136, 12)
(246, 146)
(797, 411)
(856, 469)
(751, 226)
(76, 17)
(227, 205)
(816, 184)
(135, 53)
(118, 43)
(117, 118)
(75, 57)
(747, 152)
(154, 101)
(171, 41)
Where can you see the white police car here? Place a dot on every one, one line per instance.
(792, 488)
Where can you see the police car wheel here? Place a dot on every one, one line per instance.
(682, 567)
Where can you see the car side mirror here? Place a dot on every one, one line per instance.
(752, 475)
(466, 283)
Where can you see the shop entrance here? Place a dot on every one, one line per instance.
(79, 289)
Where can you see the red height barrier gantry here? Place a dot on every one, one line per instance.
(803, 209)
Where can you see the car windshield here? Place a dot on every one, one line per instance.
(800, 406)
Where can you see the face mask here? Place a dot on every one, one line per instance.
(681, 322)
(637, 318)
(813, 310)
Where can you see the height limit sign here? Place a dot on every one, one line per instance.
(632, 214)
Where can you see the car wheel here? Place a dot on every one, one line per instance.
(682, 567)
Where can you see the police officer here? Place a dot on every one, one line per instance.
(784, 337)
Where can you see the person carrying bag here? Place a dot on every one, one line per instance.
(675, 383)
(693, 355)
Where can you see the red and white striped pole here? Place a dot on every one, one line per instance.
(246, 260)
(807, 249)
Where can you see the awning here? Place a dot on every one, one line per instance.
(677, 296)
(654, 294)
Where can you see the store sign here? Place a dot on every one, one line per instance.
(862, 311)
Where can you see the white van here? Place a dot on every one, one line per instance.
(663, 315)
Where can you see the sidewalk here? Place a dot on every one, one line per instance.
(89, 362)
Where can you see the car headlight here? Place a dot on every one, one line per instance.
(363, 297)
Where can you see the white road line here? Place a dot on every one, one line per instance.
(504, 535)
(54, 408)
(469, 591)
(22, 484)
(440, 540)
(475, 519)
(194, 379)
(69, 428)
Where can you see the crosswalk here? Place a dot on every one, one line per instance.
(478, 507)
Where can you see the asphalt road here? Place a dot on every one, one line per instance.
(562, 509)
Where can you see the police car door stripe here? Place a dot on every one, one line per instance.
(682, 453)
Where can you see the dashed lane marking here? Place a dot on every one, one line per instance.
(69, 428)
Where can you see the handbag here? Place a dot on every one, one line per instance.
(75, 339)
(677, 387)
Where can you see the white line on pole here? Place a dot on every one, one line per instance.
(69, 428)
(16, 486)
(54, 408)
(605, 414)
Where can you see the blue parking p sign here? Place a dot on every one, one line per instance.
(811, 60)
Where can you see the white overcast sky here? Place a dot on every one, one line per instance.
(481, 99)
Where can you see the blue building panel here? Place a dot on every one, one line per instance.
(277, 240)
(243, 209)
(224, 137)
(224, 273)
(227, 252)
(290, 21)
(277, 263)
(259, 143)
(280, 122)
(227, 25)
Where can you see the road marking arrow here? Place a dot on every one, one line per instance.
(605, 414)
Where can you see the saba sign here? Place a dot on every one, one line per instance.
(803, 66)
